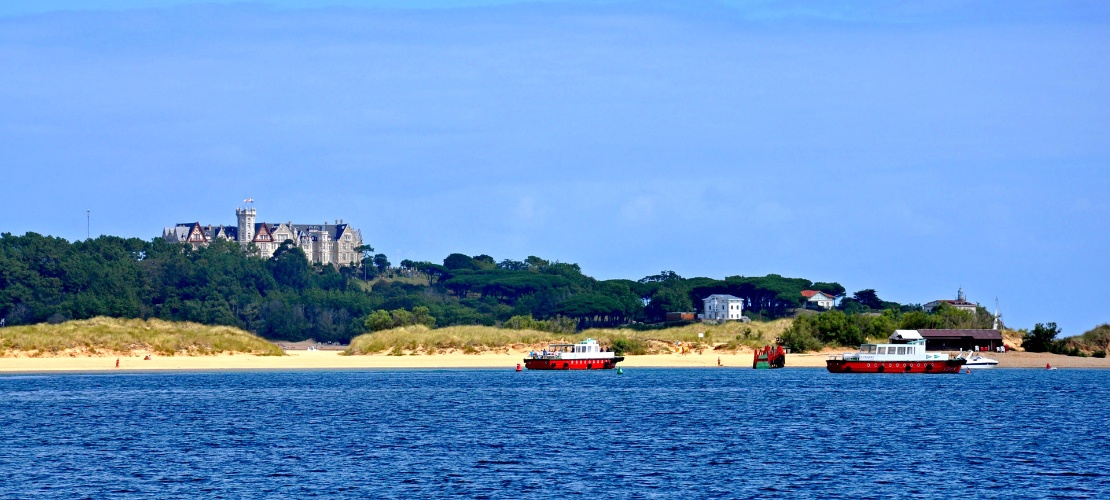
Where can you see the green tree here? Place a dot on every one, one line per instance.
(422, 316)
(868, 298)
(801, 335)
(434, 272)
(379, 320)
(668, 300)
(290, 267)
(381, 262)
(1041, 339)
(833, 289)
(457, 261)
(485, 262)
(920, 320)
(535, 263)
(834, 327)
(523, 322)
(512, 265)
(402, 317)
(366, 262)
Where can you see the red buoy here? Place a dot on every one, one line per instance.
(518, 367)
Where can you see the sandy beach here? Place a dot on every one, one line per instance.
(321, 360)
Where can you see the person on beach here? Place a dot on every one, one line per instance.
(117, 362)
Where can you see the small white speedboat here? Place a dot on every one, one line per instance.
(977, 361)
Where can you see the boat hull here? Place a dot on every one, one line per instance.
(947, 366)
(572, 364)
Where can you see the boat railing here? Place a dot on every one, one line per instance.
(548, 355)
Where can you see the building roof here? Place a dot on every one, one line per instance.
(960, 334)
(721, 296)
(905, 335)
(809, 294)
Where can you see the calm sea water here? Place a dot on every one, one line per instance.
(649, 433)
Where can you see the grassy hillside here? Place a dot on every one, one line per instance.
(475, 339)
(125, 336)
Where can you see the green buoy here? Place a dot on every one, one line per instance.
(620, 371)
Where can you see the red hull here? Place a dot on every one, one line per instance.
(572, 364)
(841, 366)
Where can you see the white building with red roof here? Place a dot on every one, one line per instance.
(818, 299)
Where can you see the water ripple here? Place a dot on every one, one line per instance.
(714, 433)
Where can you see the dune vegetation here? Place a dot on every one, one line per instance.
(110, 336)
(419, 339)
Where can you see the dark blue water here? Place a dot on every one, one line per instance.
(713, 433)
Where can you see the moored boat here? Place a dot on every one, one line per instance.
(977, 361)
(585, 355)
(904, 354)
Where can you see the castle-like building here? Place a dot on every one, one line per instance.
(322, 243)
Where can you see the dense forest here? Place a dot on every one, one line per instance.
(48, 279)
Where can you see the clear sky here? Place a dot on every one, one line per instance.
(909, 149)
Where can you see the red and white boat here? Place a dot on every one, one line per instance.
(904, 354)
(585, 355)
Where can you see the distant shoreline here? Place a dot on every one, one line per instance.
(317, 360)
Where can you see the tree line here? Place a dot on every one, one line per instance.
(49, 279)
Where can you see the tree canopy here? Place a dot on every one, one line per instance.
(287, 297)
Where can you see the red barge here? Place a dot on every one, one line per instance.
(585, 355)
(904, 354)
(769, 357)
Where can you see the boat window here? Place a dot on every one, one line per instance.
(901, 350)
(882, 350)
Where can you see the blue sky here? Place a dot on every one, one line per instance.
(913, 150)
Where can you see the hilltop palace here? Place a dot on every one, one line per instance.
(322, 243)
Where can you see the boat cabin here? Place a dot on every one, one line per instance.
(898, 351)
(586, 349)
(904, 345)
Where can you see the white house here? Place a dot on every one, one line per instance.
(720, 307)
(818, 299)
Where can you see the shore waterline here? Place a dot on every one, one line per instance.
(303, 359)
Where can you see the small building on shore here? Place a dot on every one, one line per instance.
(681, 316)
(961, 340)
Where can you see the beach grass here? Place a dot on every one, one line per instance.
(112, 336)
(418, 339)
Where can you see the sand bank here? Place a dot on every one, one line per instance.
(299, 360)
